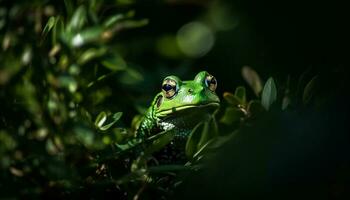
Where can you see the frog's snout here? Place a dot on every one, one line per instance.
(190, 91)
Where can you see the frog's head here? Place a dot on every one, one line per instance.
(184, 96)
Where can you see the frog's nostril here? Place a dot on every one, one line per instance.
(190, 91)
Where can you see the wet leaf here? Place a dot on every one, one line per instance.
(269, 94)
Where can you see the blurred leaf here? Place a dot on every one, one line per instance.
(115, 118)
(78, 19)
(253, 79)
(193, 139)
(131, 77)
(85, 136)
(112, 20)
(309, 90)
(91, 34)
(91, 54)
(100, 119)
(269, 94)
(241, 94)
(115, 63)
(231, 99)
(7, 142)
(285, 102)
(49, 25)
(231, 115)
(254, 108)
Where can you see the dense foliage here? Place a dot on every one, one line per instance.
(76, 76)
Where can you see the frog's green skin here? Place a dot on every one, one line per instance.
(192, 101)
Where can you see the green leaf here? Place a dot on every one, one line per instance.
(253, 79)
(78, 19)
(91, 54)
(309, 90)
(100, 119)
(161, 140)
(115, 63)
(112, 20)
(231, 115)
(210, 130)
(49, 25)
(269, 94)
(240, 93)
(115, 118)
(88, 35)
(231, 99)
(254, 108)
(193, 139)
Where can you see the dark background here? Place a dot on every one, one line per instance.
(301, 152)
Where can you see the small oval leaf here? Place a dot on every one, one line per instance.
(309, 90)
(78, 19)
(269, 94)
(231, 99)
(100, 119)
(240, 93)
(193, 139)
(253, 79)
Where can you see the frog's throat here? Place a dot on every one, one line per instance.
(168, 112)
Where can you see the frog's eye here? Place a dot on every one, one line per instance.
(211, 83)
(169, 88)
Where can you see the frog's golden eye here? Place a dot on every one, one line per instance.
(211, 83)
(169, 88)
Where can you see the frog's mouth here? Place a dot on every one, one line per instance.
(207, 107)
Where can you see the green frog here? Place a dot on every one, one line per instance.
(180, 106)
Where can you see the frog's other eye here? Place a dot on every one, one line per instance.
(169, 88)
(211, 83)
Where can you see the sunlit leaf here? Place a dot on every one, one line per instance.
(115, 118)
(100, 119)
(49, 25)
(78, 19)
(88, 35)
(269, 94)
